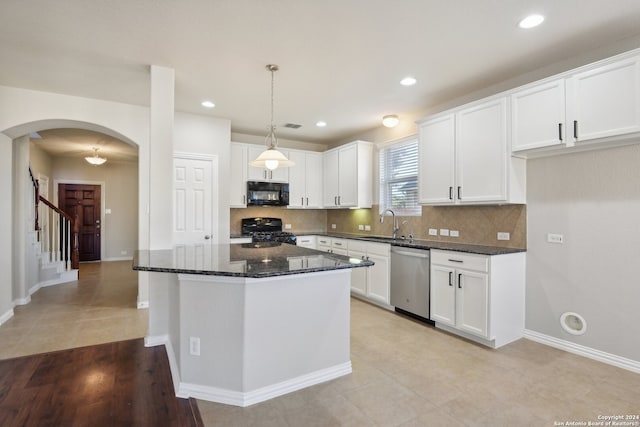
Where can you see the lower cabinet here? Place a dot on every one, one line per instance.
(371, 283)
(306, 241)
(479, 297)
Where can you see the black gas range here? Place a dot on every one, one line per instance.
(267, 230)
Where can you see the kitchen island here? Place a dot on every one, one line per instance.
(243, 323)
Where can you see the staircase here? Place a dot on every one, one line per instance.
(53, 244)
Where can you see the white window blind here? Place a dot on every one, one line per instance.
(399, 178)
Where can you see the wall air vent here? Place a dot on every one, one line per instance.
(292, 126)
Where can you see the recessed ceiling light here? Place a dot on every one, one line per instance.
(208, 104)
(531, 21)
(321, 124)
(408, 81)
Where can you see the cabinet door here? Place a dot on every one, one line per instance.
(297, 180)
(436, 169)
(378, 288)
(359, 276)
(348, 176)
(313, 197)
(331, 180)
(443, 295)
(238, 178)
(538, 116)
(481, 152)
(280, 174)
(605, 101)
(472, 297)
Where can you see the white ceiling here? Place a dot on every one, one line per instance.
(340, 60)
(80, 143)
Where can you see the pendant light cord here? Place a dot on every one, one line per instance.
(273, 139)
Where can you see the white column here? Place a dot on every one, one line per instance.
(6, 228)
(161, 158)
(21, 205)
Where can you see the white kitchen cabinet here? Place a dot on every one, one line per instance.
(306, 242)
(594, 106)
(538, 116)
(263, 174)
(348, 175)
(604, 100)
(305, 185)
(339, 246)
(323, 244)
(238, 176)
(477, 296)
(372, 283)
(465, 158)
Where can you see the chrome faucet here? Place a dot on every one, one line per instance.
(396, 228)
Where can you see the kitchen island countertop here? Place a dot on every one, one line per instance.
(249, 260)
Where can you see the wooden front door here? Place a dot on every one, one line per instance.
(83, 201)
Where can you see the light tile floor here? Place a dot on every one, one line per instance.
(98, 308)
(404, 373)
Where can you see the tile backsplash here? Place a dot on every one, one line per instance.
(475, 224)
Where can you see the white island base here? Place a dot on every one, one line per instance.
(240, 341)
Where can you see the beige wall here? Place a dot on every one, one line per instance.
(476, 224)
(120, 228)
(41, 165)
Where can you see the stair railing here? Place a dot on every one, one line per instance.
(60, 242)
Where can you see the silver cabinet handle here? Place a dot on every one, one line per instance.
(302, 201)
(307, 201)
(339, 201)
(459, 191)
(459, 280)
(451, 278)
(560, 131)
(575, 129)
(455, 260)
(450, 193)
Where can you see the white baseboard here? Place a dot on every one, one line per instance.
(243, 399)
(143, 303)
(22, 301)
(155, 340)
(122, 258)
(6, 316)
(591, 353)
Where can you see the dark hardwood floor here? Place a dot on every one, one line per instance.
(117, 384)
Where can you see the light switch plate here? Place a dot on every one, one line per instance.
(107, 211)
(555, 238)
(433, 232)
(454, 233)
(502, 235)
(287, 226)
(367, 228)
(194, 346)
(361, 227)
(444, 231)
(333, 226)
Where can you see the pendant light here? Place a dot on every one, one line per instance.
(271, 158)
(95, 159)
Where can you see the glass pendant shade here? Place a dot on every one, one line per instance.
(271, 159)
(95, 159)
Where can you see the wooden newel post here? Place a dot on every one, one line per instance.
(75, 253)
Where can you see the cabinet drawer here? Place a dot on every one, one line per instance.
(382, 249)
(324, 241)
(460, 260)
(357, 245)
(339, 244)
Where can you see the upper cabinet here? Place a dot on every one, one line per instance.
(263, 174)
(348, 175)
(465, 159)
(596, 103)
(305, 185)
(238, 178)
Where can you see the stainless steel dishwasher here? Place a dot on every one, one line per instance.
(410, 281)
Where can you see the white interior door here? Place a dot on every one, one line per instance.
(195, 199)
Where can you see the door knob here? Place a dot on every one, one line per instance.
(207, 237)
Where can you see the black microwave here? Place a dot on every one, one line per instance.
(267, 193)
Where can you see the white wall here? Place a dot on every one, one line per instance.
(593, 199)
(208, 135)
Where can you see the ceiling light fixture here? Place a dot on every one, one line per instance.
(271, 158)
(531, 21)
(408, 81)
(321, 124)
(390, 121)
(95, 159)
(208, 104)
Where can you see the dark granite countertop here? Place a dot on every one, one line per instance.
(254, 260)
(426, 244)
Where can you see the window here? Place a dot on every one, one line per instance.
(399, 178)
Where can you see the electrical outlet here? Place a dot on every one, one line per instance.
(444, 231)
(433, 232)
(287, 226)
(502, 235)
(107, 211)
(194, 346)
(367, 228)
(555, 238)
(361, 227)
(333, 226)
(454, 233)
